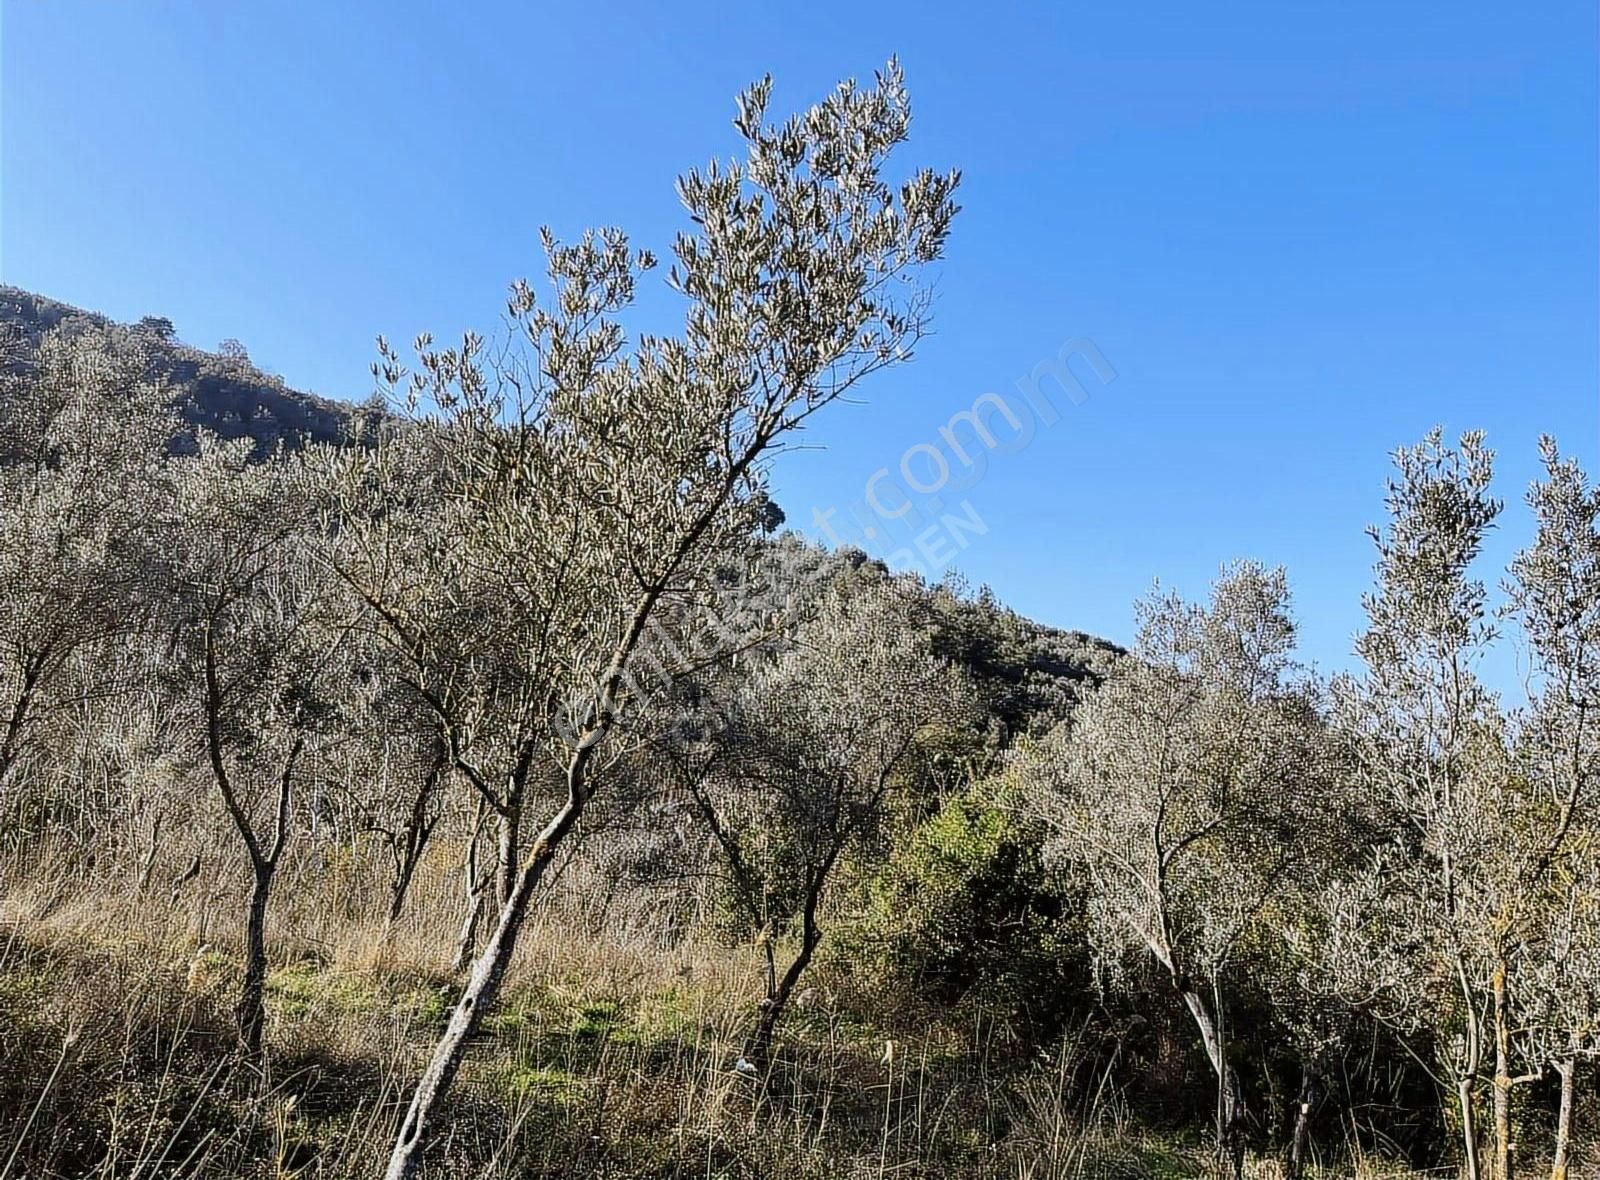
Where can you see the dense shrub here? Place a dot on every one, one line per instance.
(966, 914)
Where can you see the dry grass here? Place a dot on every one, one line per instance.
(609, 1054)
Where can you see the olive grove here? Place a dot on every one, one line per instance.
(538, 809)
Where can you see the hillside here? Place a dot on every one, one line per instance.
(225, 393)
(461, 767)
(1029, 674)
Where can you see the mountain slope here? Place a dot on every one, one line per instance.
(224, 393)
(1029, 674)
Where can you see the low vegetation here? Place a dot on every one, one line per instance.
(488, 787)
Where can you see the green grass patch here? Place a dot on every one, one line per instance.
(522, 1083)
(304, 987)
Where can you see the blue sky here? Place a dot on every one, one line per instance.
(1301, 234)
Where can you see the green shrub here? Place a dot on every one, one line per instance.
(966, 913)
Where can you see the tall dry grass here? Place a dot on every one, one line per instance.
(609, 1056)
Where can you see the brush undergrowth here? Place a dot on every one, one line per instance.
(610, 1055)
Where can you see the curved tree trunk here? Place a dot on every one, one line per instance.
(1230, 1103)
(1300, 1141)
(488, 972)
(11, 743)
(758, 1048)
(1566, 1070)
(419, 827)
(264, 859)
(398, 889)
(251, 1013)
(467, 939)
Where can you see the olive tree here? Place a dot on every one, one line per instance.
(260, 648)
(796, 768)
(1408, 934)
(1555, 596)
(612, 485)
(83, 434)
(1466, 922)
(1184, 785)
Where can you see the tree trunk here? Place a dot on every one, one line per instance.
(1567, 1070)
(488, 972)
(11, 745)
(475, 887)
(467, 940)
(508, 836)
(252, 1012)
(149, 866)
(414, 841)
(1504, 1161)
(1299, 1143)
(1230, 1106)
(510, 812)
(759, 1047)
(1469, 1125)
(398, 888)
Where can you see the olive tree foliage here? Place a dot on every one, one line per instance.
(1184, 785)
(259, 630)
(1559, 990)
(1554, 593)
(1467, 922)
(459, 632)
(1409, 935)
(793, 768)
(610, 484)
(83, 436)
(393, 768)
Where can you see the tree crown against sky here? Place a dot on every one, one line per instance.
(1299, 235)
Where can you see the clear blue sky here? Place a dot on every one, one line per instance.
(1302, 233)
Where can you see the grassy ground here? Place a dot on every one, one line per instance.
(609, 1056)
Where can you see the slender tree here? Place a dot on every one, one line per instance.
(1409, 933)
(614, 487)
(1555, 895)
(260, 643)
(1184, 785)
(800, 769)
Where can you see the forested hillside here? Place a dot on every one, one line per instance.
(221, 392)
(1029, 672)
(486, 790)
